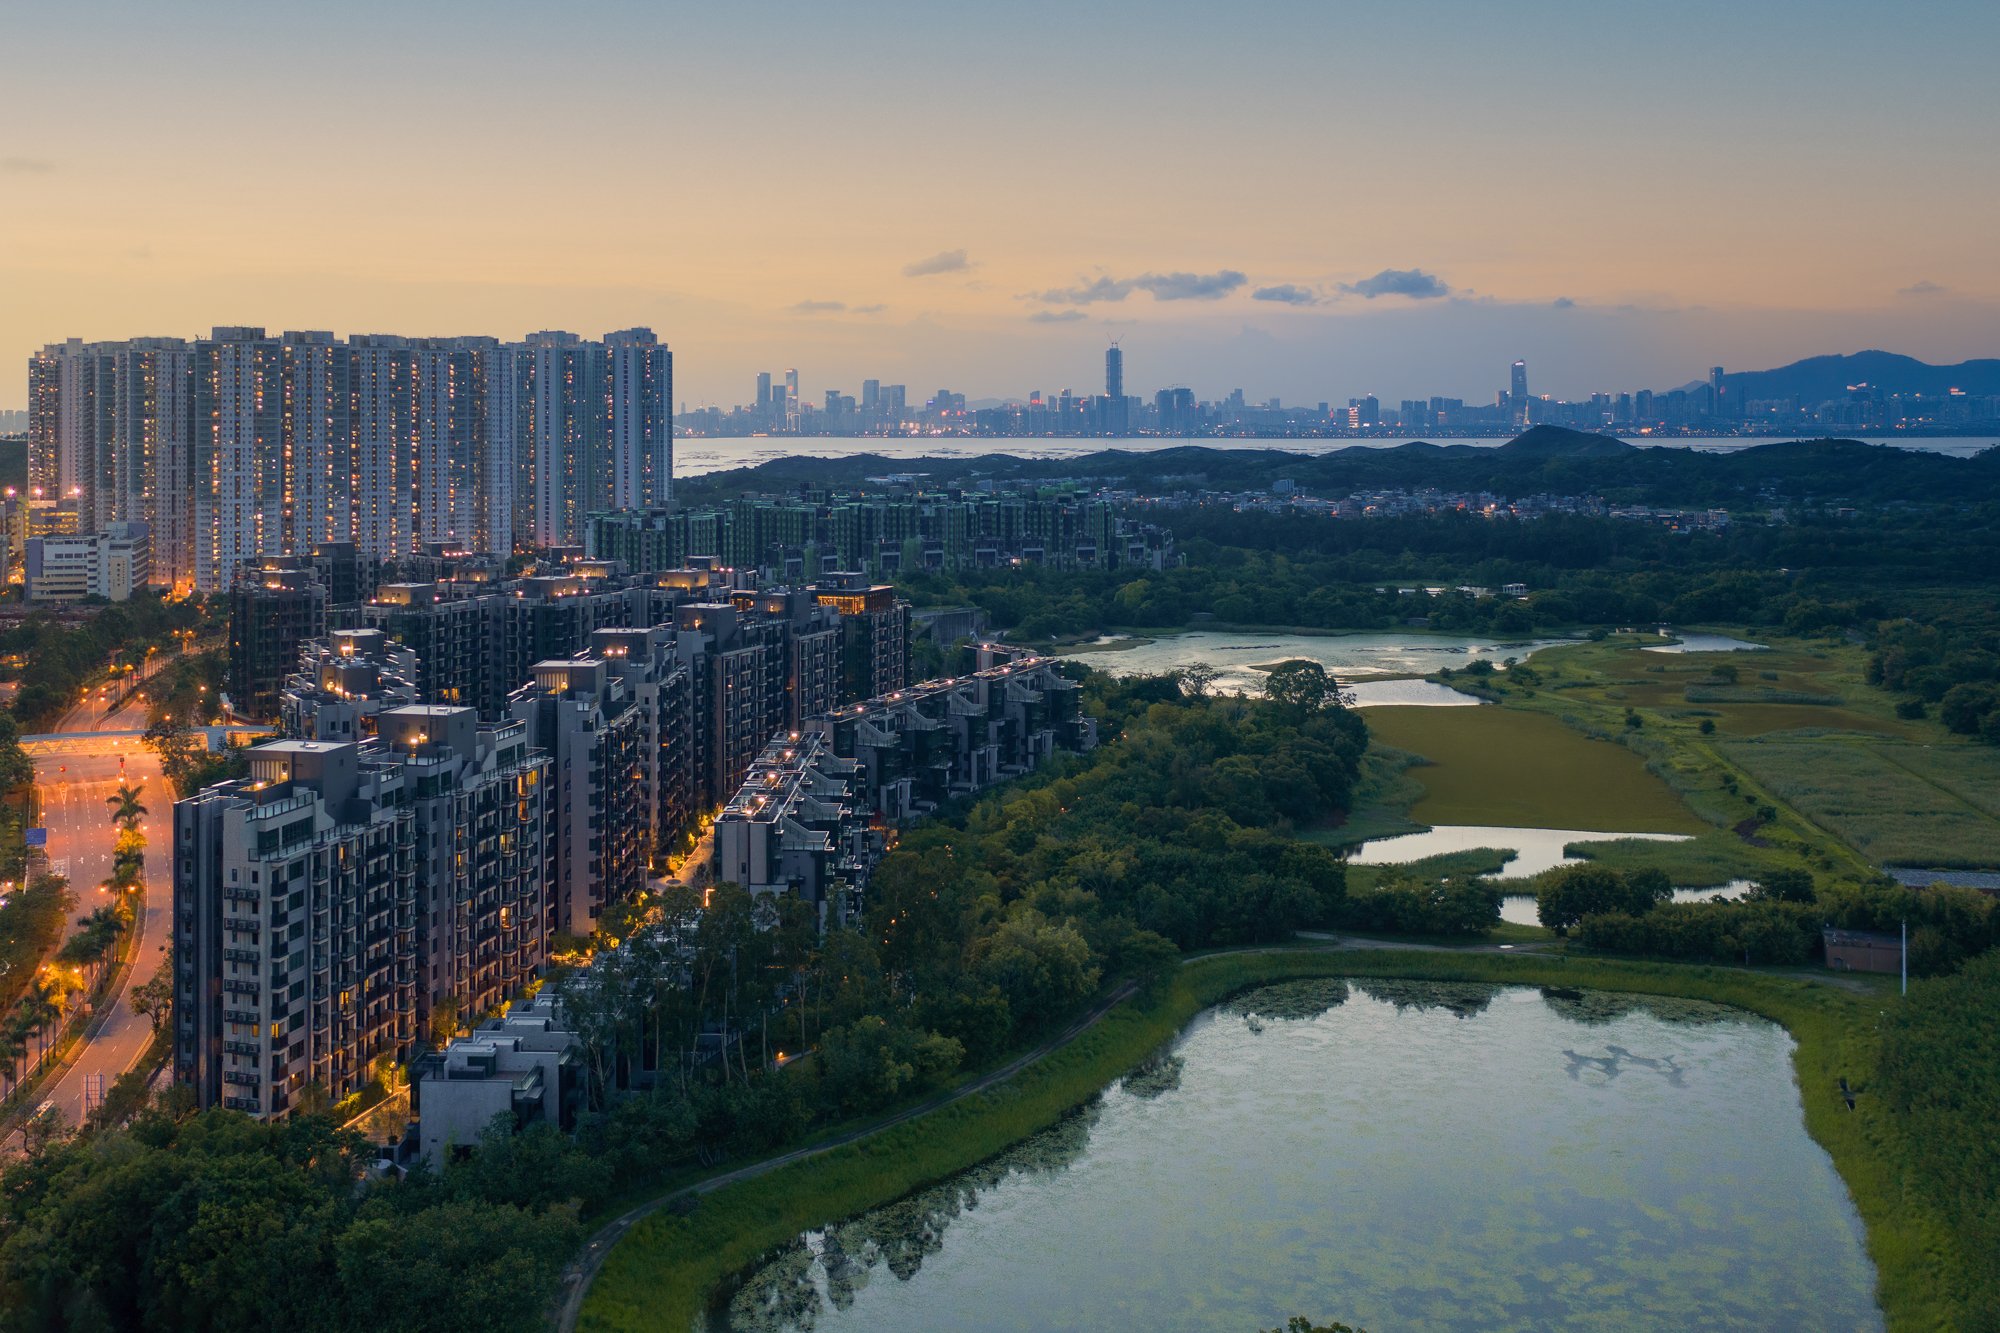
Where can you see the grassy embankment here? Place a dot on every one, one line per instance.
(666, 1270)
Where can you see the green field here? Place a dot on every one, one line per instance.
(1895, 804)
(1510, 768)
(662, 1273)
(1852, 786)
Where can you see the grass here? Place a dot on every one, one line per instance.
(1852, 787)
(1709, 858)
(668, 1267)
(1384, 791)
(1877, 800)
(1473, 861)
(1508, 767)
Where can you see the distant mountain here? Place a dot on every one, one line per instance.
(1818, 378)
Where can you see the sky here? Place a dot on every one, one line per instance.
(1302, 200)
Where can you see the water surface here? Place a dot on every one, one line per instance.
(1707, 643)
(1521, 908)
(697, 454)
(1240, 660)
(1535, 849)
(1394, 1155)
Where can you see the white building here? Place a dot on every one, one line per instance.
(108, 564)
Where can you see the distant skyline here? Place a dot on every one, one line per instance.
(1303, 200)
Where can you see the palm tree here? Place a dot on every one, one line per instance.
(126, 809)
(12, 1051)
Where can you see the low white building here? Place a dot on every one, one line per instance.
(108, 564)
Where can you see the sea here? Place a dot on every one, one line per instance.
(696, 455)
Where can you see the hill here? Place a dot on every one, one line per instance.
(1818, 378)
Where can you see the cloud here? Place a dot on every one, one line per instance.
(946, 261)
(26, 166)
(1104, 289)
(1191, 286)
(1411, 282)
(1923, 288)
(834, 308)
(1056, 316)
(1163, 286)
(1287, 292)
(1563, 303)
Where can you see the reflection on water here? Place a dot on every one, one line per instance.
(1408, 693)
(1707, 643)
(1519, 908)
(828, 1270)
(1391, 1154)
(1241, 660)
(1535, 849)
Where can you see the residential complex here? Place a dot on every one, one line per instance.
(821, 533)
(246, 444)
(808, 819)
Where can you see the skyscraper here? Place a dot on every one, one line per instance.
(1517, 399)
(1114, 372)
(640, 382)
(1717, 402)
(244, 444)
(237, 470)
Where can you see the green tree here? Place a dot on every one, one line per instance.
(126, 808)
(1304, 686)
(1572, 893)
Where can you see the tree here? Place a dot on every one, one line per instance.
(154, 997)
(1574, 892)
(1196, 680)
(1786, 886)
(1304, 686)
(126, 809)
(1043, 969)
(180, 749)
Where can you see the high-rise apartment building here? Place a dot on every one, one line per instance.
(242, 445)
(343, 683)
(639, 376)
(275, 605)
(295, 929)
(580, 712)
(327, 907)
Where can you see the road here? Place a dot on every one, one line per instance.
(75, 810)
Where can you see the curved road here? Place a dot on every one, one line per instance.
(74, 791)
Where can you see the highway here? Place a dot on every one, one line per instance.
(74, 789)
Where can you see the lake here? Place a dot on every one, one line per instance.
(1236, 655)
(1394, 1155)
(695, 455)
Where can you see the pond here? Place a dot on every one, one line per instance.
(1706, 643)
(1403, 693)
(1236, 656)
(1521, 909)
(1395, 1155)
(1535, 849)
